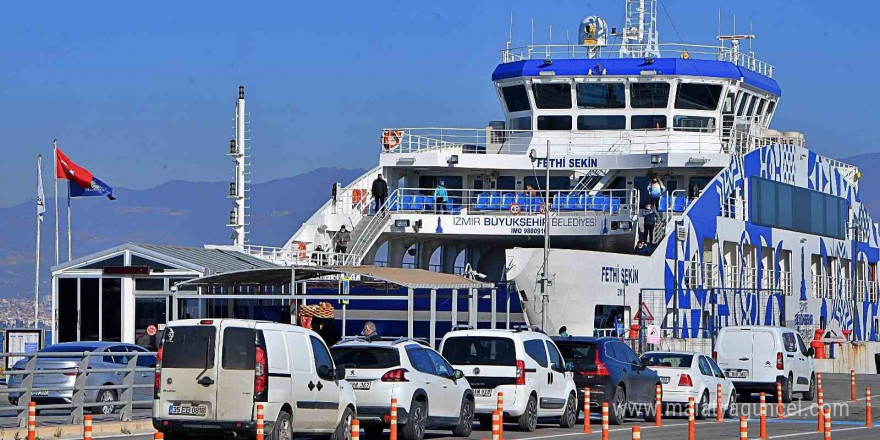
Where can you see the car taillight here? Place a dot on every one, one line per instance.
(157, 380)
(73, 372)
(601, 368)
(520, 372)
(779, 363)
(261, 371)
(398, 375)
(685, 381)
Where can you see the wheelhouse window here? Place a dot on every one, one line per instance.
(523, 123)
(611, 122)
(648, 122)
(742, 104)
(516, 98)
(601, 95)
(694, 123)
(649, 95)
(696, 96)
(770, 107)
(554, 123)
(552, 96)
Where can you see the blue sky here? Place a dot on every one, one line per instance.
(142, 93)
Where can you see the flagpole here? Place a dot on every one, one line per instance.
(37, 263)
(69, 237)
(55, 173)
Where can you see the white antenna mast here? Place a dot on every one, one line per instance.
(639, 36)
(238, 189)
(733, 54)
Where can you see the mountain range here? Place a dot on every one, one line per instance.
(176, 212)
(195, 213)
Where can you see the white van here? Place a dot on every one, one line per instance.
(212, 373)
(754, 358)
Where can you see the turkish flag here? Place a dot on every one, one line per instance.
(66, 169)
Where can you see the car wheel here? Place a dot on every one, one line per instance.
(465, 419)
(528, 421)
(786, 390)
(702, 406)
(105, 396)
(731, 405)
(418, 417)
(810, 394)
(617, 407)
(374, 431)
(283, 430)
(570, 416)
(343, 430)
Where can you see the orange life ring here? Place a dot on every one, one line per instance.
(391, 139)
(355, 196)
(302, 251)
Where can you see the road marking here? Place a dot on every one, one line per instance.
(796, 434)
(626, 428)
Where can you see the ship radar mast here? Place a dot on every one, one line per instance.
(593, 33)
(238, 150)
(640, 39)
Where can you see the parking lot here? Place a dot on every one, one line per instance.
(798, 423)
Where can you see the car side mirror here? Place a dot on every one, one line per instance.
(644, 362)
(457, 374)
(811, 352)
(325, 372)
(339, 373)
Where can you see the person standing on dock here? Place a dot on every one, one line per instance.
(380, 191)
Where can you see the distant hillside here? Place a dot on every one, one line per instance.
(176, 212)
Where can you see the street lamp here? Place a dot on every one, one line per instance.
(544, 278)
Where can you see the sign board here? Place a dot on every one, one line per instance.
(519, 223)
(644, 313)
(682, 233)
(345, 288)
(653, 334)
(21, 341)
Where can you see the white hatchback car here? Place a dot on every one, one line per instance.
(523, 364)
(430, 393)
(690, 374)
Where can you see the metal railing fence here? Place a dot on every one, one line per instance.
(124, 391)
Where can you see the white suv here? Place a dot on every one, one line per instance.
(523, 364)
(430, 393)
(756, 357)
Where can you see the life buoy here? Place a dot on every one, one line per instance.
(355, 197)
(542, 207)
(391, 139)
(302, 251)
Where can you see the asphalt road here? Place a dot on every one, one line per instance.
(8, 416)
(799, 421)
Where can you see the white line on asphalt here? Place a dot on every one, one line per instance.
(815, 433)
(816, 405)
(599, 431)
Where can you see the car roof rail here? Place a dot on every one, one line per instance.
(527, 328)
(353, 339)
(401, 340)
(462, 327)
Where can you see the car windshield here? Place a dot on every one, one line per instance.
(673, 360)
(365, 357)
(474, 350)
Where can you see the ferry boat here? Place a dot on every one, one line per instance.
(750, 226)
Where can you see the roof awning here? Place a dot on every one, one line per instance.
(409, 278)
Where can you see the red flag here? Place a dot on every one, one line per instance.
(68, 170)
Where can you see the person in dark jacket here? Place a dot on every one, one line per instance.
(650, 216)
(380, 191)
(642, 249)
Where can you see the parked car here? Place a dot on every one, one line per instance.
(430, 393)
(523, 364)
(690, 374)
(614, 374)
(117, 358)
(755, 358)
(212, 374)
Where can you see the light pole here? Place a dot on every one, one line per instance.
(544, 278)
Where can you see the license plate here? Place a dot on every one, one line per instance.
(188, 410)
(738, 374)
(664, 379)
(40, 393)
(360, 385)
(483, 392)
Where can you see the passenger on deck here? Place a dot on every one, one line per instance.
(650, 217)
(441, 196)
(341, 240)
(380, 191)
(656, 189)
(530, 191)
(642, 249)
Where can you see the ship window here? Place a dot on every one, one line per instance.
(694, 123)
(770, 107)
(775, 204)
(523, 123)
(761, 107)
(647, 122)
(752, 104)
(505, 182)
(601, 95)
(649, 95)
(552, 96)
(695, 96)
(554, 123)
(601, 122)
(516, 98)
(742, 104)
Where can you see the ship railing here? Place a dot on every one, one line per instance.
(513, 202)
(298, 257)
(734, 206)
(520, 142)
(678, 50)
(699, 275)
(785, 282)
(743, 277)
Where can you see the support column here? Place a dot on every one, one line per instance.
(410, 314)
(454, 319)
(396, 252)
(128, 304)
(432, 330)
(473, 308)
(494, 318)
(447, 257)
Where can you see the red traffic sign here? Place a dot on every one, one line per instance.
(515, 208)
(644, 310)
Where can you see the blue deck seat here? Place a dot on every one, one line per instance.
(427, 202)
(411, 202)
(679, 203)
(495, 201)
(483, 202)
(453, 208)
(600, 202)
(535, 203)
(663, 205)
(524, 201)
(507, 199)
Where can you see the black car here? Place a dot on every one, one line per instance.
(614, 374)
